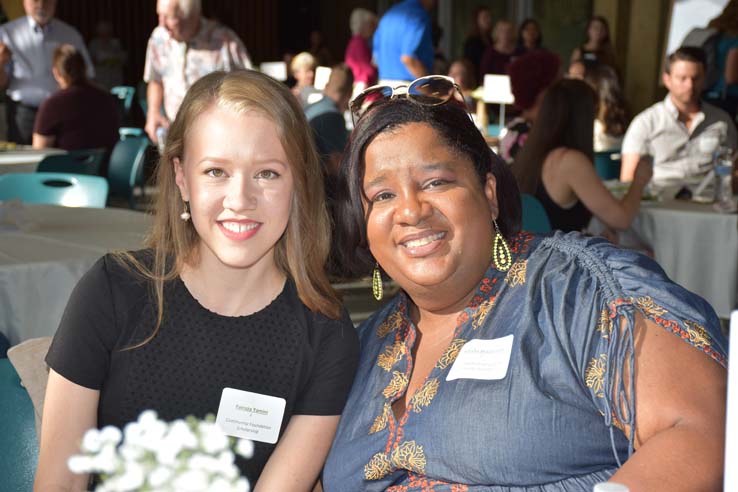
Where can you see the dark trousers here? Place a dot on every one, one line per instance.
(20, 122)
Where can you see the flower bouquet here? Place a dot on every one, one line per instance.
(156, 456)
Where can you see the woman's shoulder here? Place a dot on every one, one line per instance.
(618, 273)
(567, 160)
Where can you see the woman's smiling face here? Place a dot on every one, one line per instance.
(238, 182)
(429, 219)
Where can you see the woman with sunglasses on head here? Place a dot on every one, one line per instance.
(230, 293)
(508, 361)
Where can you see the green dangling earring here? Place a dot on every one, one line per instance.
(501, 251)
(377, 287)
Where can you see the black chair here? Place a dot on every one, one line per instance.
(88, 161)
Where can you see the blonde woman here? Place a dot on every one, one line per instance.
(303, 68)
(230, 293)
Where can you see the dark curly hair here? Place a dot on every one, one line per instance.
(352, 257)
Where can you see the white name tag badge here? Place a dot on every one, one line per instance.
(482, 359)
(250, 415)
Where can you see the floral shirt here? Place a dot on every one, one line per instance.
(178, 65)
(552, 421)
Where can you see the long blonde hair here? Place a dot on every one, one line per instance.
(302, 250)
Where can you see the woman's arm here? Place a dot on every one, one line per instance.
(69, 411)
(300, 454)
(579, 174)
(680, 412)
(576, 54)
(43, 141)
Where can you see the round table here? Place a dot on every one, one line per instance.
(695, 245)
(41, 262)
(24, 159)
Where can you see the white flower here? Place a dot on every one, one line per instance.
(191, 481)
(147, 432)
(111, 435)
(184, 456)
(221, 485)
(160, 476)
(131, 479)
(91, 441)
(242, 485)
(245, 448)
(79, 464)
(212, 438)
(106, 460)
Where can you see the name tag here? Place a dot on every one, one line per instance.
(250, 415)
(482, 359)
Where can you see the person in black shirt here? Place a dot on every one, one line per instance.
(229, 293)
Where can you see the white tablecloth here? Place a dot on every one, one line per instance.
(696, 246)
(39, 268)
(23, 159)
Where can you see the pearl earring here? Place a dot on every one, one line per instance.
(185, 215)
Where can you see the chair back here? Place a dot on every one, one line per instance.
(130, 131)
(69, 190)
(535, 218)
(125, 94)
(607, 164)
(88, 161)
(18, 444)
(126, 166)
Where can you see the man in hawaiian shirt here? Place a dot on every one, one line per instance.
(184, 47)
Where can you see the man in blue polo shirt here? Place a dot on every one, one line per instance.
(403, 47)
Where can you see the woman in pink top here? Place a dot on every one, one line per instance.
(358, 53)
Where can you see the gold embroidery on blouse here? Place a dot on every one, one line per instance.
(481, 313)
(381, 421)
(605, 324)
(409, 456)
(392, 323)
(449, 356)
(392, 354)
(423, 397)
(396, 385)
(698, 336)
(516, 275)
(594, 376)
(649, 307)
(377, 468)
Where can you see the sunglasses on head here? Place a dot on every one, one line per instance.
(431, 90)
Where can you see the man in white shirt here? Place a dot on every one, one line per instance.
(681, 132)
(182, 49)
(27, 46)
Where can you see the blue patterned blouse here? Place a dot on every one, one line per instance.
(553, 421)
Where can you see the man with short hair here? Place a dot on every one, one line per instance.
(27, 46)
(681, 132)
(327, 122)
(182, 49)
(403, 42)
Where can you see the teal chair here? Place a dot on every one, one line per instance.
(126, 167)
(607, 164)
(125, 95)
(88, 161)
(70, 190)
(18, 443)
(125, 132)
(535, 218)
